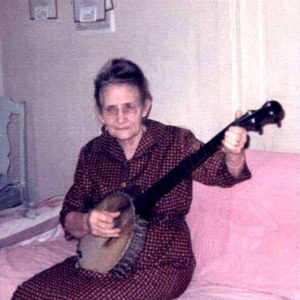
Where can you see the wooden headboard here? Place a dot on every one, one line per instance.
(7, 109)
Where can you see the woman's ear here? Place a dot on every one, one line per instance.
(147, 108)
(98, 114)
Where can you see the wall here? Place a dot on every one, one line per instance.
(268, 35)
(204, 60)
(1, 69)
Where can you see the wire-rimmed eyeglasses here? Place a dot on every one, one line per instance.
(127, 109)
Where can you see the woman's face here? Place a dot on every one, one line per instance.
(122, 112)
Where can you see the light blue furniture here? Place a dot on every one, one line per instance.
(8, 108)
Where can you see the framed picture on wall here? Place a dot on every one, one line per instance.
(89, 10)
(43, 9)
(94, 16)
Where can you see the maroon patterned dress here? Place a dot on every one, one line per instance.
(165, 266)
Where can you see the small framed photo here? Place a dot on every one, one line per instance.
(43, 9)
(89, 11)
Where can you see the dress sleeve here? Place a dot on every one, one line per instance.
(214, 170)
(80, 192)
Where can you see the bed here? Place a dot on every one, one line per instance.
(245, 238)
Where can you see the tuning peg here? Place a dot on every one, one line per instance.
(258, 128)
(278, 122)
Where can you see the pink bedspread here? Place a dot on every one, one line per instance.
(38, 257)
(245, 238)
(248, 236)
(22, 262)
(35, 258)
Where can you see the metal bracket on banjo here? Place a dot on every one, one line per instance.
(117, 255)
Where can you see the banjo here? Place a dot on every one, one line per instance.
(116, 255)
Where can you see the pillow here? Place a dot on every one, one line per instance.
(39, 224)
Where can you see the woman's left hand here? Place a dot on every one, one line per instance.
(235, 138)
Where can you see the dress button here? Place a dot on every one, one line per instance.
(123, 184)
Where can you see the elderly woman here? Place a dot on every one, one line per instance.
(134, 151)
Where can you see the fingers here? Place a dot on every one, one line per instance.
(101, 223)
(235, 139)
(238, 114)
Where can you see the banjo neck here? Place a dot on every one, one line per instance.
(270, 112)
(146, 202)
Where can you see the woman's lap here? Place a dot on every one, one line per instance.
(65, 281)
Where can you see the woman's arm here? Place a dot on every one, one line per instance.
(76, 223)
(75, 215)
(227, 166)
(235, 163)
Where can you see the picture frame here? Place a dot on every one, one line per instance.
(87, 11)
(94, 16)
(42, 9)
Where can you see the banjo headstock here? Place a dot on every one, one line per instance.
(271, 112)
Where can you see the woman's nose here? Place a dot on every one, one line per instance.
(120, 116)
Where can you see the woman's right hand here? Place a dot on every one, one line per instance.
(101, 223)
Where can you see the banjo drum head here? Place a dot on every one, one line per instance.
(102, 254)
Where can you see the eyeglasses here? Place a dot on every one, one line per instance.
(127, 109)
